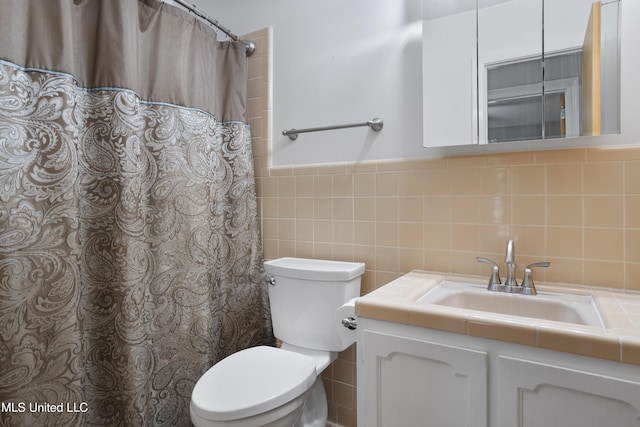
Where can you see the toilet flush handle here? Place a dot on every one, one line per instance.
(349, 323)
(270, 280)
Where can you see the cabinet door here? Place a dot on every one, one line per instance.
(536, 394)
(412, 383)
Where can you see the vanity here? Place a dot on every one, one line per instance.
(441, 350)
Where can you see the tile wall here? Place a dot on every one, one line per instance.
(577, 208)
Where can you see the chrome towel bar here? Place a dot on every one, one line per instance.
(375, 125)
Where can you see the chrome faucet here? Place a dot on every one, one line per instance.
(511, 284)
(510, 261)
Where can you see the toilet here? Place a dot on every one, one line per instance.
(281, 387)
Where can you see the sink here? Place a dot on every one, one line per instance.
(556, 306)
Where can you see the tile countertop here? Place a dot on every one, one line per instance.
(619, 341)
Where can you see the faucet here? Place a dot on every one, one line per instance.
(511, 284)
(510, 261)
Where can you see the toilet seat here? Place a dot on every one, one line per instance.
(251, 382)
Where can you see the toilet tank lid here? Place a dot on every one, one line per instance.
(314, 269)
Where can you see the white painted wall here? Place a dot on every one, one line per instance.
(337, 62)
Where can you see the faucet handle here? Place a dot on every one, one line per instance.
(528, 287)
(494, 280)
(544, 264)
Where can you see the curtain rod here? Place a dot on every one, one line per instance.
(249, 44)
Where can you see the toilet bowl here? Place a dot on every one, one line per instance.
(281, 387)
(260, 386)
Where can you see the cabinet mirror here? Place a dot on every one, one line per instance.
(498, 71)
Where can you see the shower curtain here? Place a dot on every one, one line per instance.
(130, 257)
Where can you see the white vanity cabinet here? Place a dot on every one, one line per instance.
(534, 394)
(410, 376)
(401, 374)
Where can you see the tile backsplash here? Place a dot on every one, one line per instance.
(577, 208)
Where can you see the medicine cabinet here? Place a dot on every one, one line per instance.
(497, 71)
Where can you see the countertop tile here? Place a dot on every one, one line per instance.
(618, 341)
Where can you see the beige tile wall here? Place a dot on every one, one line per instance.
(259, 87)
(577, 208)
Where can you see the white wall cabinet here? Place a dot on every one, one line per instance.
(409, 377)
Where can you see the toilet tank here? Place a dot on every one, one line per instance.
(304, 298)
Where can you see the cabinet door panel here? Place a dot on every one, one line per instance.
(540, 395)
(420, 383)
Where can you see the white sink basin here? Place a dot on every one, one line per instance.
(560, 307)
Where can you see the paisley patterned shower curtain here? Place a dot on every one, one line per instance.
(130, 256)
